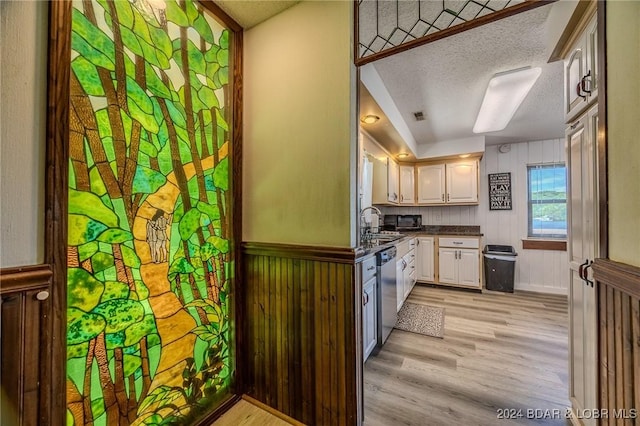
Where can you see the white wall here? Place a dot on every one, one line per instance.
(300, 135)
(536, 270)
(23, 74)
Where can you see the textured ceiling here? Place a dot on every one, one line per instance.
(249, 13)
(447, 79)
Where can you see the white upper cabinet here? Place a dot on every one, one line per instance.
(407, 185)
(580, 73)
(462, 182)
(454, 182)
(394, 185)
(431, 186)
(386, 188)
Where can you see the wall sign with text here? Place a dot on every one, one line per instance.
(500, 191)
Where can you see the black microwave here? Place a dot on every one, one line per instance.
(402, 222)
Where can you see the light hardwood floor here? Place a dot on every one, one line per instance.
(499, 351)
(244, 413)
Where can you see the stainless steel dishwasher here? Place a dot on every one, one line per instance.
(386, 293)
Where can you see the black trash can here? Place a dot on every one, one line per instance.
(499, 267)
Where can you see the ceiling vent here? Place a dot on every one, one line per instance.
(419, 115)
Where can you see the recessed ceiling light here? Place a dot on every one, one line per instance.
(370, 119)
(403, 155)
(503, 97)
(464, 155)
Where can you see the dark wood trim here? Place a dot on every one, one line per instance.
(271, 410)
(238, 292)
(483, 20)
(25, 278)
(56, 195)
(544, 245)
(601, 143)
(322, 254)
(221, 15)
(620, 276)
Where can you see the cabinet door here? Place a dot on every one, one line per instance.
(573, 73)
(392, 179)
(380, 184)
(469, 267)
(400, 267)
(425, 259)
(583, 245)
(591, 59)
(407, 273)
(369, 320)
(431, 184)
(407, 185)
(448, 265)
(462, 182)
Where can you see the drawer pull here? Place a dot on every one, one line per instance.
(371, 268)
(458, 242)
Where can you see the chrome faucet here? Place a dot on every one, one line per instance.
(365, 230)
(363, 211)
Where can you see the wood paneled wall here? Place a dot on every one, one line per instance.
(302, 332)
(25, 345)
(619, 341)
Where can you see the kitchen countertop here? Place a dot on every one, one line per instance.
(453, 230)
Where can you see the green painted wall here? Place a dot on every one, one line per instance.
(623, 97)
(299, 131)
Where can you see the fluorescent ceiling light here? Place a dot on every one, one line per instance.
(504, 94)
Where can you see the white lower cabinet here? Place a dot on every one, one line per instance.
(425, 259)
(459, 261)
(369, 320)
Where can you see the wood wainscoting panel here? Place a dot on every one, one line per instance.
(619, 340)
(301, 331)
(24, 346)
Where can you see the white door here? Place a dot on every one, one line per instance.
(431, 184)
(369, 324)
(392, 178)
(425, 258)
(407, 185)
(469, 267)
(582, 248)
(462, 182)
(448, 265)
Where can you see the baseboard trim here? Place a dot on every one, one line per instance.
(542, 289)
(271, 410)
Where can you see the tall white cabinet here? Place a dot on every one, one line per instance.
(581, 111)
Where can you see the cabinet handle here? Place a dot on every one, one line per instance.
(574, 125)
(586, 276)
(401, 198)
(448, 197)
(458, 242)
(584, 81)
(579, 90)
(443, 197)
(581, 269)
(365, 299)
(371, 268)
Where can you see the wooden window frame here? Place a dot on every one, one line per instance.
(530, 203)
